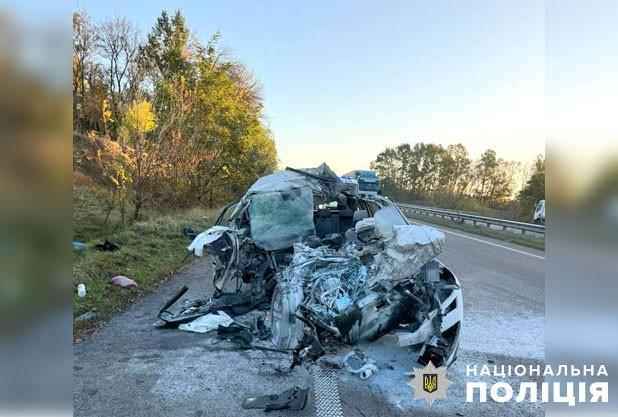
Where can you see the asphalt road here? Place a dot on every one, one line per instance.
(130, 368)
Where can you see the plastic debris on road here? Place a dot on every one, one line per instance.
(292, 399)
(207, 323)
(359, 364)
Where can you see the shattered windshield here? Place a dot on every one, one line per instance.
(280, 218)
(386, 218)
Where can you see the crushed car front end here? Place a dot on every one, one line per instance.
(332, 268)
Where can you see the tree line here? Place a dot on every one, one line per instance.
(186, 117)
(448, 177)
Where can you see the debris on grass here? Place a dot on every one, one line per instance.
(124, 282)
(107, 246)
(86, 316)
(152, 250)
(81, 290)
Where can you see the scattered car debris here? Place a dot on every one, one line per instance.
(207, 323)
(292, 399)
(107, 246)
(241, 336)
(189, 232)
(236, 334)
(259, 329)
(231, 303)
(332, 266)
(124, 282)
(89, 315)
(357, 363)
(81, 290)
(308, 348)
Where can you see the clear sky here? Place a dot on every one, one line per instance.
(344, 79)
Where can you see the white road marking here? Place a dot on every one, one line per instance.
(483, 241)
(325, 387)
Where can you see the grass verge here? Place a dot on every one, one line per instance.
(151, 250)
(529, 241)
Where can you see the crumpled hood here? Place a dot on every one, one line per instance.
(409, 249)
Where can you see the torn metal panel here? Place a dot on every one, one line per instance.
(322, 181)
(282, 181)
(386, 219)
(206, 238)
(410, 248)
(292, 399)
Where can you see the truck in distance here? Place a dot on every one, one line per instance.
(368, 181)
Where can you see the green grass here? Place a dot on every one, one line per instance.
(151, 250)
(529, 241)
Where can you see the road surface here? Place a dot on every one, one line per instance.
(130, 368)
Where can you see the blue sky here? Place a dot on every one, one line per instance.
(342, 80)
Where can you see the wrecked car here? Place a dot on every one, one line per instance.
(331, 266)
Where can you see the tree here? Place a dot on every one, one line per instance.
(117, 43)
(94, 116)
(432, 173)
(455, 169)
(485, 169)
(139, 120)
(424, 166)
(83, 52)
(392, 165)
(211, 133)
(187, 115)
(534, 190)
(169, 60)
(500, 184)
(167, 48)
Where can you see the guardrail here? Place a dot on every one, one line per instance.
(462, 217)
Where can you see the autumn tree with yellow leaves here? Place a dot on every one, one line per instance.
(188, 117)
(138, 123)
